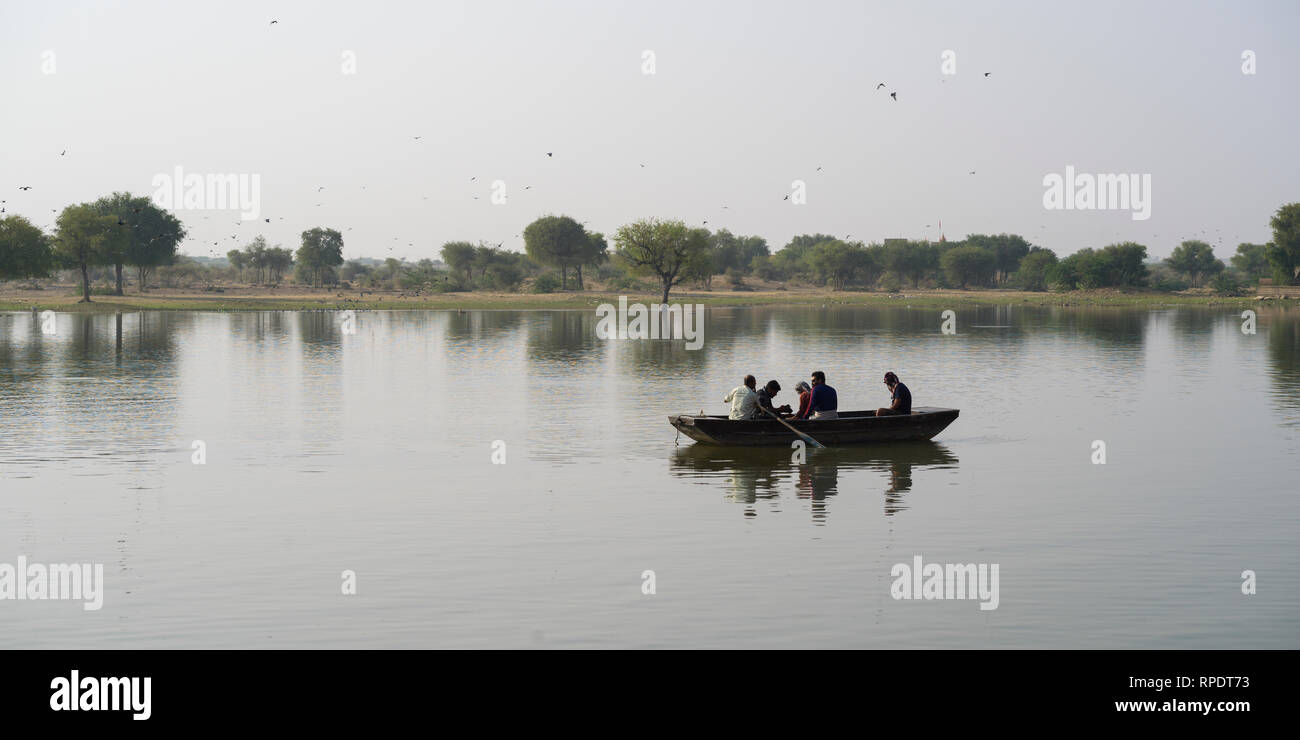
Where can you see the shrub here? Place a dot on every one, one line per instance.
(890, 283)
(547, 282)
(1227, 283)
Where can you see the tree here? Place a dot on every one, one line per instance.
(558, 241)
(1251, 260)
(155, 236)
(237, 261)
(321, 251)
(839, 263)
(663, 249)
(1115, 265)
(1124, 264)
(83, 232)
(1195, 259)
(1034, 269)
(595, 253)
(1007, 249)
(459, 256)
(963, 265)
(25, 251)
(278, 261)
(1284, 250)
(146, 236)
(911, 260)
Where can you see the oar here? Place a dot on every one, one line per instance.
(804, 437)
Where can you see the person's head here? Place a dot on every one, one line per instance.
(750, 382)
(801, 386)
(772, 387)
(891, 379)
(818, 377)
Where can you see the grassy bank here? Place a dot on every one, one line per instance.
(299, 300)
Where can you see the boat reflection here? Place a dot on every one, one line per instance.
(754, 474)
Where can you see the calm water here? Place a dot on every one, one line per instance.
(372, 452)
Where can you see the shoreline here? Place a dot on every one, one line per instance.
(60, 299)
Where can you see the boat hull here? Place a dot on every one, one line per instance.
(852, 427)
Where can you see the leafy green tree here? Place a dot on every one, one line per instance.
(557, 241)
(595, 254)
(320, 253)
(81, 239)
(459, 256)
(237, 262)
(147, 236)
(1007, 249)
(1251, 260)
(839, 262)
(964, 265)
(1034, 269)
(25, 251)
(1284, 250)
(1195, 259)
(155, 237)
(663, 249)
(910, 260)
(278, 261)
(1124, 264)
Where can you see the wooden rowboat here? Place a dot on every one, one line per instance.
(853, 427)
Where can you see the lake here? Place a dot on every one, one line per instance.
(373, 452)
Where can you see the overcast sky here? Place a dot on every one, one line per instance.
(746, 97)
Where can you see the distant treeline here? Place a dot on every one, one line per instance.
(97, 241)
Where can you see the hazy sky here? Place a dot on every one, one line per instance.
(746, 98)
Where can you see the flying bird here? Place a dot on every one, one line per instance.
(894, 95)
(880, 86)
(274, 22)
(986, 74)
(972, 172)
(418, 138)
(24, 187)
(786, 198)
(819, 169)
(65, 151)
(550, 154)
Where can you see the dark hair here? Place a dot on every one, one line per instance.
(773, 386)
(750, 381)
(819, 375)
(890, 377)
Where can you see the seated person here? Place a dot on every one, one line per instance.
(822, 401)
(765, 396)
(803, 389)
(742, 399)
(902, 397)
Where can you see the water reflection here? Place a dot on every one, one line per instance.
(96, 391)
(1284, 351)
(749, 475)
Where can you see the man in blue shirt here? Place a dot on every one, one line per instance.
(822, 402)
(902, 397)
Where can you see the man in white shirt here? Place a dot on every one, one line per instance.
(743, 399)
